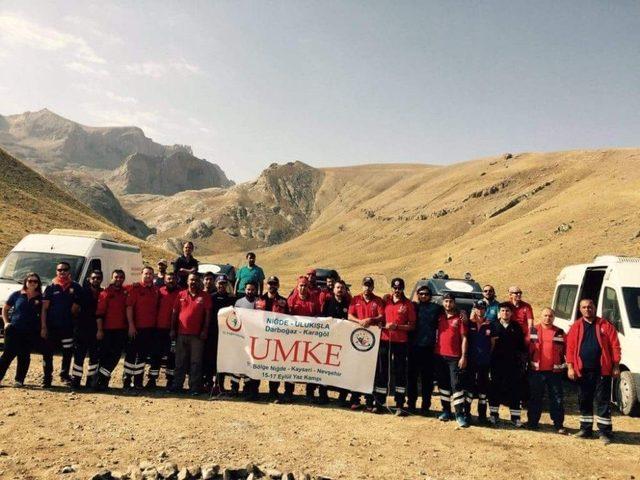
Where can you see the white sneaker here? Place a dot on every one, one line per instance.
(18, 384)
(517, 423)
(493, 420)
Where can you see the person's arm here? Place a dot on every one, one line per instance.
(130, 321)
(411, 320)
(462, 363)
(5, 315)
(616, 351)
(174, 324)
(530, 316)
(43, 318)
(100, 313)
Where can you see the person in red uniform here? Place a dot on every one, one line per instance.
(163, 346)
(272, 301)
(522, 311)
(142, 312)
(305, 303)
(327, 292)
(400, 319)
(451, 352)
(189, 326)
(546, 367)
(111, 319)
(367, 309)
(593, 358)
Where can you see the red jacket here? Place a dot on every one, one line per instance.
(607, 338)
(535, 348)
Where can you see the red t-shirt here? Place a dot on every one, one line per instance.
(144, 300)
(112, 308)
(521, 314)
(308, 308)
(545, 338)
(450, 333)
(165, 306)
(191, 310)
(360, 308)
(399, 313)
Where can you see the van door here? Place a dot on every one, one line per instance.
(610, 308)
(591, 286)
(564, 302)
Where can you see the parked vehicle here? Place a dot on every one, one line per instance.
(323, 273)
(466, 290)
(85, 251)
(219, 269)
(613, 283)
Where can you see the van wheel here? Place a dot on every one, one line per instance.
(627, 394)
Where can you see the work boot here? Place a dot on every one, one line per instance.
(605, 438)
(65, 378)
(411, 407)
(462, 421)
(75, 383)
(445, 416)
(151, 384)
(584, 433)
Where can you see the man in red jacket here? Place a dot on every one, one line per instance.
(593, 357)
(546, 364)
(163, 345)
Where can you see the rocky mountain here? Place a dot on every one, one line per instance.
(175, 173)
(99, 197)
(279, 205)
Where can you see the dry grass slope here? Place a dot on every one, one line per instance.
(31, 204)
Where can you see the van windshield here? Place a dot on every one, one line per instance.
(17, 264)
(632, 303)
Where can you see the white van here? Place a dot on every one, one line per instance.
(613, 282)
(85, 251)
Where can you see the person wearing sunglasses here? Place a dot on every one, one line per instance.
(21, 316)
(522, 311)
(60, 305)
(492, 305)
(422, 340)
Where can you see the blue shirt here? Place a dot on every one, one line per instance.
(479, 338)
(491, 313)
(427, 315)
(25, 315)
(590, 349)
(247, 275)
(59, 311)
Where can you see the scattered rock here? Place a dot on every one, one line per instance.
(210, 471)
(67, 469)
(507, 156)
(563, 227)
(163, 455)
(168, 470)
(11, 413)
(273, 473)
(102, 475)
(183, 474)
(194, 471)
(3, 453)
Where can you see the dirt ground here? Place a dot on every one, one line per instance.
(42, 431)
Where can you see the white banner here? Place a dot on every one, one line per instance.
(287, 348)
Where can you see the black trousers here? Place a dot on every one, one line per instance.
(505, 387)
(391, 355)
(137, 351)
(552, 383)
(163, 348)
(595, 388)
(57, 338)
(476, 385)
(210, 356)
(18, 343)
(85, 344)
(450, 384)
(421, 366)
(111, 348)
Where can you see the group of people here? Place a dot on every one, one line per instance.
(497, 354)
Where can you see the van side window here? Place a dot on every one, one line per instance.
(565, 300)
(611, 309)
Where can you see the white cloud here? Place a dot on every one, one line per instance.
(86, 69)
(93, 28)
(160, 69)
(101, 93)
(17, 30)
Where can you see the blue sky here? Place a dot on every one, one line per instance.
(333, 83)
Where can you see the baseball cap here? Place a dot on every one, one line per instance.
(367, 281)
(162, 261)
(480, 304)
(449, 296)
(273, 279)
(221, 279)
(303, 281)
(397, 283)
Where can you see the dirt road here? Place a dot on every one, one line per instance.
(42, 431)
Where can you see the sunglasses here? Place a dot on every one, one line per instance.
(424, 294)
(488, 291)
(517, 293)
(62, 269)
(32, 280)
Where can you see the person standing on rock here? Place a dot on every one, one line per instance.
(421, 357)
(593, 359)
(400, 319)
(111, 319)
(452, 350)
(272, 301)
(142, 313)
(158, 281)
(61, 303)
(185, 264)
(21, 328)
(190, 326)
(367, 309)
(249, 273)
(492, 305)
(163, 345)
(337, 306)
(220, 298)
(85, 330)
